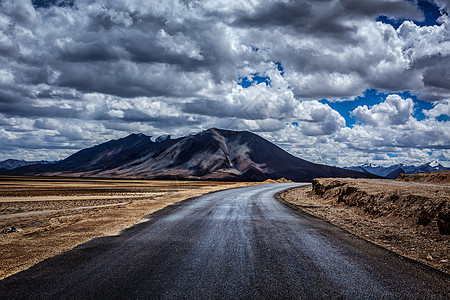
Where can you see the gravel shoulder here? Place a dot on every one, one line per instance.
(53, 215)
(400, 216)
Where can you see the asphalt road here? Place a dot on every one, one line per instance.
(233, 244)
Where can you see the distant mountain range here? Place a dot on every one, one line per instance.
(395, 170)
(10, 164)
(213, 154)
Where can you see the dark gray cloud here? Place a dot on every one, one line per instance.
(374, 8)
(324, 17)
(79, 71)
(87, 52)
(436, 71)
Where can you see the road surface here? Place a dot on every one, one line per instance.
(234, 244)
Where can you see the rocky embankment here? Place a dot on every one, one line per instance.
(420, 204)
(411, 219)
(442, 177)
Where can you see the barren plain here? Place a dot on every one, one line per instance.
(53, 215)
(408, 218)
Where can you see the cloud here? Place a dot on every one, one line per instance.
(326, 18)
(386, 133)
(316, 119)
(330, 49)
(256, 102)
(391, 127)
(393, 9)
(394, 111)
(443, 4)
(440, 109)
(68, 67)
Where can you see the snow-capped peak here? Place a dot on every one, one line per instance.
(434, 164)
(370, 165)
(162, 138)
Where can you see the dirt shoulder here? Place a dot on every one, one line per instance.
(54, 215)
(400, 216)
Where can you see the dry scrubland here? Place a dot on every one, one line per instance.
(54, 215)
(411, 219)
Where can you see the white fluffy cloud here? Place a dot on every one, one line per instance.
(394, 111)
(389, 128)
(73, 73)
(440, 109)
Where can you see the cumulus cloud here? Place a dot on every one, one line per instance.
(389, 127)
(316, 119)
(440, 109)
(385, 133)
(394, 111)
(68, 67)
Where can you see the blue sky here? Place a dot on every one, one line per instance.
(373, 97)
(370, 97)
(338, 82)
(430, 11)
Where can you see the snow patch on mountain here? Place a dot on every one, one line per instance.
(433, 166)
(162, 138)
(11, 164)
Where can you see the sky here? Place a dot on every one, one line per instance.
(337, 82)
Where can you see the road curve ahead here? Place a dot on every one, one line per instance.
(233, 244)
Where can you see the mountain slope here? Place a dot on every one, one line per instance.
(213, 154)
(395, 174)
(10, 164)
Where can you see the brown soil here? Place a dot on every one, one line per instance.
(281, 180)
(442, 177)
(54, 215)
(400, 216)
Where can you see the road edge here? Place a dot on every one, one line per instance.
(299, 211)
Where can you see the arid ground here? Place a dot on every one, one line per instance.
(53, 215)
(400, 216)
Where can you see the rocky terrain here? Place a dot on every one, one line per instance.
(442, 177)
(411, 219)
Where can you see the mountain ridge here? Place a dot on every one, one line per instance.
(213, 154)
(389, 171)
(10, 164)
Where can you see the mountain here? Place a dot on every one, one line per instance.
(395, 174)
(375, 169)
(357, 169)
(433, 166)
(213, 154)
(10, 164)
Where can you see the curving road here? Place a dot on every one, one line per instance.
(233, 244)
